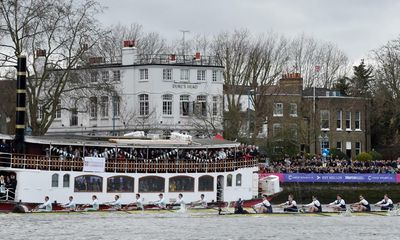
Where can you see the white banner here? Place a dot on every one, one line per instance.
(94, 164)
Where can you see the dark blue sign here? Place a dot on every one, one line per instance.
(340, 177)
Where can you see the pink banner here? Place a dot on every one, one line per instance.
(280, 175)
(398, 178)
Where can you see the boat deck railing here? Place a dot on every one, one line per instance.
(40, 162)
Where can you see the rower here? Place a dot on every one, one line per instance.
(386, 203)
(116, 204)
(315, 205)
(46, 206)
(70, 205)
(239, 207)
(362, 205)
(181, 202)
(161, 203)
(291, 205)
(339, 204)
(264, 206)
(95, 204)
(200, 202)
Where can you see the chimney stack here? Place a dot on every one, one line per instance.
(21, 105)
(129, 52)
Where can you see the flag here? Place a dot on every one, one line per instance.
(317, 68)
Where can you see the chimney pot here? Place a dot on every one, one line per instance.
(129, 43)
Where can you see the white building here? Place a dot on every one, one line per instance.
(157, 93)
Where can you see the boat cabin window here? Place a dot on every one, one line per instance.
(229, 180)
(181, 184)
(54, 180)
(206, 183)
(238, 179)
(151, 184)
(66, 180)
(120, 184)
(88, 183)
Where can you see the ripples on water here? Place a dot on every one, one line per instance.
(169, 226)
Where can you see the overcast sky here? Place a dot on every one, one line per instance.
(356, 26)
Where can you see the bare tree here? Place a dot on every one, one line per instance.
(386, 91)
(306, 53)
(56, 37)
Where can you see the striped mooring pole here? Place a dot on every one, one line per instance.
(21, 105)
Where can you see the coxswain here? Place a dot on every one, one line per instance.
(239, 207)
(339, 204)
(362, 205)
(181, 202)
(161, 203)
(264, 206)
(290, 205)
(71, 206)
(315, 205)
(202, 203)
(95, 204)
(46, 206)
(116, 204)
(386, 203)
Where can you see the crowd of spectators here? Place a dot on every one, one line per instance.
(330, 165)
(170, 154)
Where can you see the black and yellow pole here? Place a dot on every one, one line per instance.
(21, 105)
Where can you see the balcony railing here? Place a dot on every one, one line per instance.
(177, 59)
(44, 163)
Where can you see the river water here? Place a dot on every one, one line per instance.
(121, 225)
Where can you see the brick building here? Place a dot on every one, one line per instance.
(313, 119)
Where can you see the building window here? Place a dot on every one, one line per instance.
(104, 107)
(94, 77)
(215, 106)
(201, 105)
(278, 110)
(293, 110)
(119, 184)
(167, 104)
(324, 120)
(66, 180)
(58, 110)
(357, 120)
(152, 184)
(358, 148)
(181, 184)
(104, 76)
(184, 105)
(215, 76)
(116, 106)
(339, 120)
(185, 75)
(40, 112)
(229, 180)
(324, 144)
(276, 129)
(143, 104)
(348, 120)
(293, 130)
(167, 74)
(93, 107)
(74, 117)
(144, 74)
(54, 180)
(88, 183)
(116, 75)
(201, 75)
(206, 183)
(339, 146)
(238, 180)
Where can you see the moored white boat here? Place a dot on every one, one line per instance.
(60, 167)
